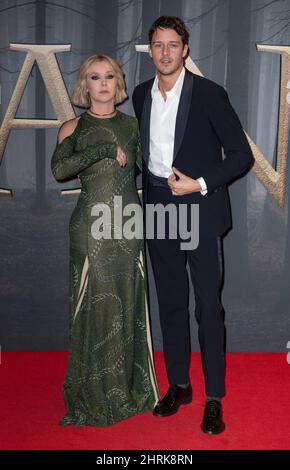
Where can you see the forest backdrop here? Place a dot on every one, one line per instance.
(34, 222)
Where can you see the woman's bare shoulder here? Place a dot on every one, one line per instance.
(67, 129)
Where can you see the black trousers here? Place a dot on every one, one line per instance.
(172, 285)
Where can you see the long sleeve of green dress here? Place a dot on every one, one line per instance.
(68, 162)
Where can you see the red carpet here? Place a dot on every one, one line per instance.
(256, 409)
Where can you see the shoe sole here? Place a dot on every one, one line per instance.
(164, 415)
(212, 432)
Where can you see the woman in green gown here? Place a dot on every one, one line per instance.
(110, 373)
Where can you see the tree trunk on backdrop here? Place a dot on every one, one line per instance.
(40, 108)
(236, 243)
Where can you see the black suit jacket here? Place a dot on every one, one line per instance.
(205, 123)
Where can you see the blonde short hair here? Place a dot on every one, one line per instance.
(80, 97)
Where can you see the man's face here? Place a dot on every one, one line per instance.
(167, 51)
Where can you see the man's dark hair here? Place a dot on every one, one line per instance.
(170, 22)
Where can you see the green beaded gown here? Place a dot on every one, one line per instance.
(110, 373)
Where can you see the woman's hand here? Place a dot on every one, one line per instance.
(121, 157)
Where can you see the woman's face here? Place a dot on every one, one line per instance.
(101, 82)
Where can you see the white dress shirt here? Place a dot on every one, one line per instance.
(162, 129)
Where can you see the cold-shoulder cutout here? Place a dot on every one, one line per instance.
(67, 129)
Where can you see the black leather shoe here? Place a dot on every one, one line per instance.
(174, 397)
(212, 422)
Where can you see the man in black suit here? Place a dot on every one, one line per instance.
(185, 121)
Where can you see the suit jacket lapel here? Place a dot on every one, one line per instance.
(183, 111)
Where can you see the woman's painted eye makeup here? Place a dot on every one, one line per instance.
(107, 77)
